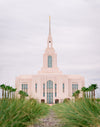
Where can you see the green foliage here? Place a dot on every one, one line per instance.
(81, 113)
(3, 88)
(94, 86)
(83, 89)
(23, 94)
(66, 100)
(90, 91)
(20, 113)
(7, 91)
(76, 94)
(98, 100)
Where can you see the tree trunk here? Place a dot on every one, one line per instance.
(10, 95)
(83, 94)
(2, 93)
(89, 94)
(5, 93)
(94, 94)
(13, 95)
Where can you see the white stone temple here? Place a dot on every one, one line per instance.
(49, 85)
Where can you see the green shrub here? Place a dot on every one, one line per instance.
(20, 113)
(82, 113)
(66, 100)
(98, 100)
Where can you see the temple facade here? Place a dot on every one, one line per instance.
(49, 85)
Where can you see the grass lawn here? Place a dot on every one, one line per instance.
(82, 113)
(20, 112)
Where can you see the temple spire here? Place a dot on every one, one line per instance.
(49, 42)
(49, 25)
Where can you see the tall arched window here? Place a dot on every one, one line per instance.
(63, 87)
(50, 92)
(74, 87)
(50, 61)
(43, 90)
(36, 87)
(55, 90)
(25, 87)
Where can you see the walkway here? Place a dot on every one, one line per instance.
(50, 120)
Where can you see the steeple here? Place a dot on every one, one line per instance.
(49, 42)
(49, 25)
(50, 57)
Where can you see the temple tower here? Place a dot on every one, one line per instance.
(50, 57)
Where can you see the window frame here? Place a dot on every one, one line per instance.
(49, 61)
(36, 87)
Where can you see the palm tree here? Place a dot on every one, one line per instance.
(91, 89)
(84, 90)
(87, 90)
(94, 88)
(11, 89)
(13, 92)
(5, 91)
(76, 94)
(3, 88)
(8, 91)
(23, 94)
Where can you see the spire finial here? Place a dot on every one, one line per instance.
(49, 25)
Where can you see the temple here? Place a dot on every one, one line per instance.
(49, 85)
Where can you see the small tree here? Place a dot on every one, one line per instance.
(76, 94)
(13, 92)
(11, 89)
(3, 89)
(87, 90)
(94, 86)
(23, 94)
(83, 89)
(8, 91)
(92, 89)
(66, 100)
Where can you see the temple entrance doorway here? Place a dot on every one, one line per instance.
(56, 101)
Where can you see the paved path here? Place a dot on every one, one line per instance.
(50, 120)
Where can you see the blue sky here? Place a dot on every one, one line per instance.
(75, 28)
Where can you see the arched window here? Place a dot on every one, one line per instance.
(43, 90)
(55, 90)
(74, 87)
(36, 87)
(63, 87)
(50, 61)
(25, 87)
(50, 92)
